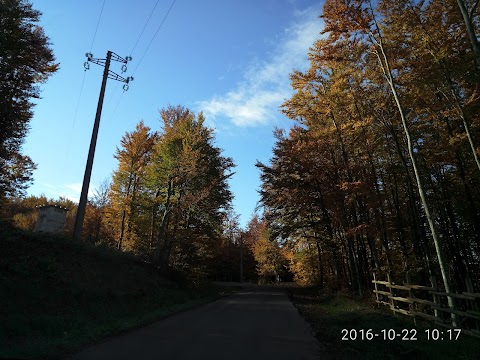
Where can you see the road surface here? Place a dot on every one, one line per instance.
(256, 323)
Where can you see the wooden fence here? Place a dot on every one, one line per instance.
(430, 302)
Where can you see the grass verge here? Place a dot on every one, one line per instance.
(329, 315)
(56, 294)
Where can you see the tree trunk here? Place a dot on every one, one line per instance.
(124, 214)
(437, 241)
(161, 239)
(467, 18)
(153, 220)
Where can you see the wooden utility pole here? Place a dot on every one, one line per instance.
(77, 231)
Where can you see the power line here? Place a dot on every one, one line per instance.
(153, 38)
(98, 23)
(79, 98)
(83, 79)
(144, 27)
(113, 94)
(114, 99)
(76, 113)
(118, 103)
(135, 46)
(85, 70)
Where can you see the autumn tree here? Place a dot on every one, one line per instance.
(360, 20)
(98, 227)
(249, 237)
(233, 256)
(188, 181)
(228, 257)
(304, 207)
(270, 260)
(128, 193)
(26, 60)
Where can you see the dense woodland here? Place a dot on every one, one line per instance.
(379, 172)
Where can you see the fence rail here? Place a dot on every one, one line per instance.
(428, 302)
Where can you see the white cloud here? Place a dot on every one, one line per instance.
(77, 188)
(72, 191)
(245, 108)
(265, 85)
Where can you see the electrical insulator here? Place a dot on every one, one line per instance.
(86, 65)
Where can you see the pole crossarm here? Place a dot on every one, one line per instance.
(100, 62)
(114, 76)
(111, 74)
(114, 57)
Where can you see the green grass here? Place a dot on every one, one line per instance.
(57, 294)
(329, 315)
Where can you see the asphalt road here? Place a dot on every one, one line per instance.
(256, 323)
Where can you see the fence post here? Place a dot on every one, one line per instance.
(392, 302)
(410, 295)
(376, 288)
(473, 303)
(471, 290)
(436, 298)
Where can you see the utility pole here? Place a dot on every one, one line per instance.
(107, 74)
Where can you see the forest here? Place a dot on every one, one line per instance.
(379, 171)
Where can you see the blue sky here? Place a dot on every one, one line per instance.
(228, 58)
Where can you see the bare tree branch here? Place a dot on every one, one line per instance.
(474, 8)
